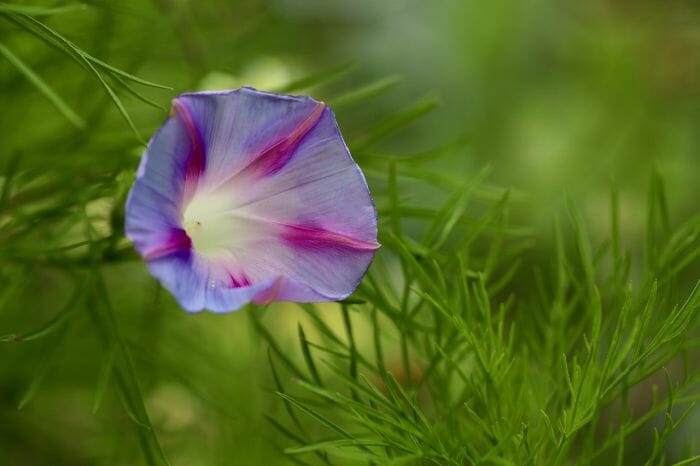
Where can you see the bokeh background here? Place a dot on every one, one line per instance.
(558, 98)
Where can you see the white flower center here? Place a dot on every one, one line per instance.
(216, 227)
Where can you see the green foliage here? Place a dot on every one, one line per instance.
(501, 365)
(477, 337)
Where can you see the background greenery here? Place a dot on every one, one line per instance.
(535, 168)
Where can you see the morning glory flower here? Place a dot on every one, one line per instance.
(247, 196)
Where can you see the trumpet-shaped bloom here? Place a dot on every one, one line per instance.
(246, 196)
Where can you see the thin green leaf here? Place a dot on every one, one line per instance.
(43, 87)
(315, 79)
(363, 93)
(395, 122)
(33, 10)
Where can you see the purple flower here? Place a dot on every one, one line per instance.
(246, 196)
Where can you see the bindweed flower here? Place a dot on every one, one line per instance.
(246, 196)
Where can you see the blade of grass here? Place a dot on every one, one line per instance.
(315, 79)
(50, 351)
(43, 87)
(394, 122)
(363, 93)
(41, 10)
(125, 374)
(307, 356)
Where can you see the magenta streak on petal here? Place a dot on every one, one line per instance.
(274, 157)
(238, 282)
(176, 241)
(196, 159)
(312, 237)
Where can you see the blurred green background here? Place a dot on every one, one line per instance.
(556, 97)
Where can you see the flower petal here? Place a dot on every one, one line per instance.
(154, 205)
(197, 284)
(311, 270)
(320, 185)
(241, 126)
